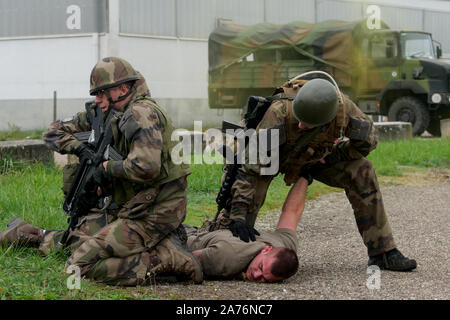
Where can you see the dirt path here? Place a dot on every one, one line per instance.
(333, 260)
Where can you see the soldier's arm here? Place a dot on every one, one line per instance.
(243, 192)
(59, 135)
(140, 124)
(244, 188)
(361, 135)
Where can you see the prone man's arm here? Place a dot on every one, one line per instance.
(293, 206)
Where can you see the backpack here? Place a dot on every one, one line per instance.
(257, 107)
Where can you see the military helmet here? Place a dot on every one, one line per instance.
(316, 103)
(111, 72)
(141, 86)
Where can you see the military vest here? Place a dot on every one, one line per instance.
(304, 148)
(124, 190)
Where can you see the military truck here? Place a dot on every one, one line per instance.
(395, 73)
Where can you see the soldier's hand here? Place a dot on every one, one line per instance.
(87, 201)
(307, 175)
(243, 230)
(84, 152)
(332, 158)
(102, 180)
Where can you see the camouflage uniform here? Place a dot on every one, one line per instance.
(148, 188)
(59, 138)
(346, 167)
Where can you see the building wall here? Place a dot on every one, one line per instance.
(44, 48)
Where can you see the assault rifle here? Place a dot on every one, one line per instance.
(223, 198)
(82, 195)
(256, 108)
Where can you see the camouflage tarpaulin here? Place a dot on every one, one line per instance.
(322, 42)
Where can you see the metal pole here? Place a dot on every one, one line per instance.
(54, 105)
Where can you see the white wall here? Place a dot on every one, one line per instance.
(34, 68)
(173, 68)
(176, 72)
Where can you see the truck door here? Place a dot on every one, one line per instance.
(379, 62)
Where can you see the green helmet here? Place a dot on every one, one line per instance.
(111, 72)
(141, 86)
(316, 103)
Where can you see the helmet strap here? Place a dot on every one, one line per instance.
(121, 98)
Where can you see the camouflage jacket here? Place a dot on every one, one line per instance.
(336, 141)
(142, 135)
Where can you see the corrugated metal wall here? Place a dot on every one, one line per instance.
(439, 25)
(24, 18)
(155, 17)
(402, 18)
(281, 12)
(185, 19)
(339, 10)
(197, 18)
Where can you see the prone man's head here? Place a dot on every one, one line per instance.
(272, 265)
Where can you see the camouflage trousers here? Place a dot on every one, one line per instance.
(358, 179)
(121, 252)
(85, 228)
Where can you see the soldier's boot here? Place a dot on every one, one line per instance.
(393, 260)
(20, 233)
(171, 257)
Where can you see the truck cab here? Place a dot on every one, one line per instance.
(402, 77)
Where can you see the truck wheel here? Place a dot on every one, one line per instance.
(410, 109)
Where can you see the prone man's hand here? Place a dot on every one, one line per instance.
(243, 230)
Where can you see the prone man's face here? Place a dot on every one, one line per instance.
(260, 268)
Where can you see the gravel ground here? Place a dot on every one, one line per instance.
(333, 260)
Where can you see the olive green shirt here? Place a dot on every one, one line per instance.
(225, 255)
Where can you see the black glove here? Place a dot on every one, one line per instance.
(307, 175)
(84, 151)
(102, 180)
(243, 230)
(87, 201)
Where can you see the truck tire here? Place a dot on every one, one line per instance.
(410, 109)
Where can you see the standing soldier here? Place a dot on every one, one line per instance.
(144, 235)
(327, 139)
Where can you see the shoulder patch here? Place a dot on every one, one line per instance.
(68, 119)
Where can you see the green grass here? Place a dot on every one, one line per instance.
(15, 133)
(33, 193)
(388, 157)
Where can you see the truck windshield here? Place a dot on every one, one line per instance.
(417, 45)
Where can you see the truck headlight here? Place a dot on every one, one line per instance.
(436, 98)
